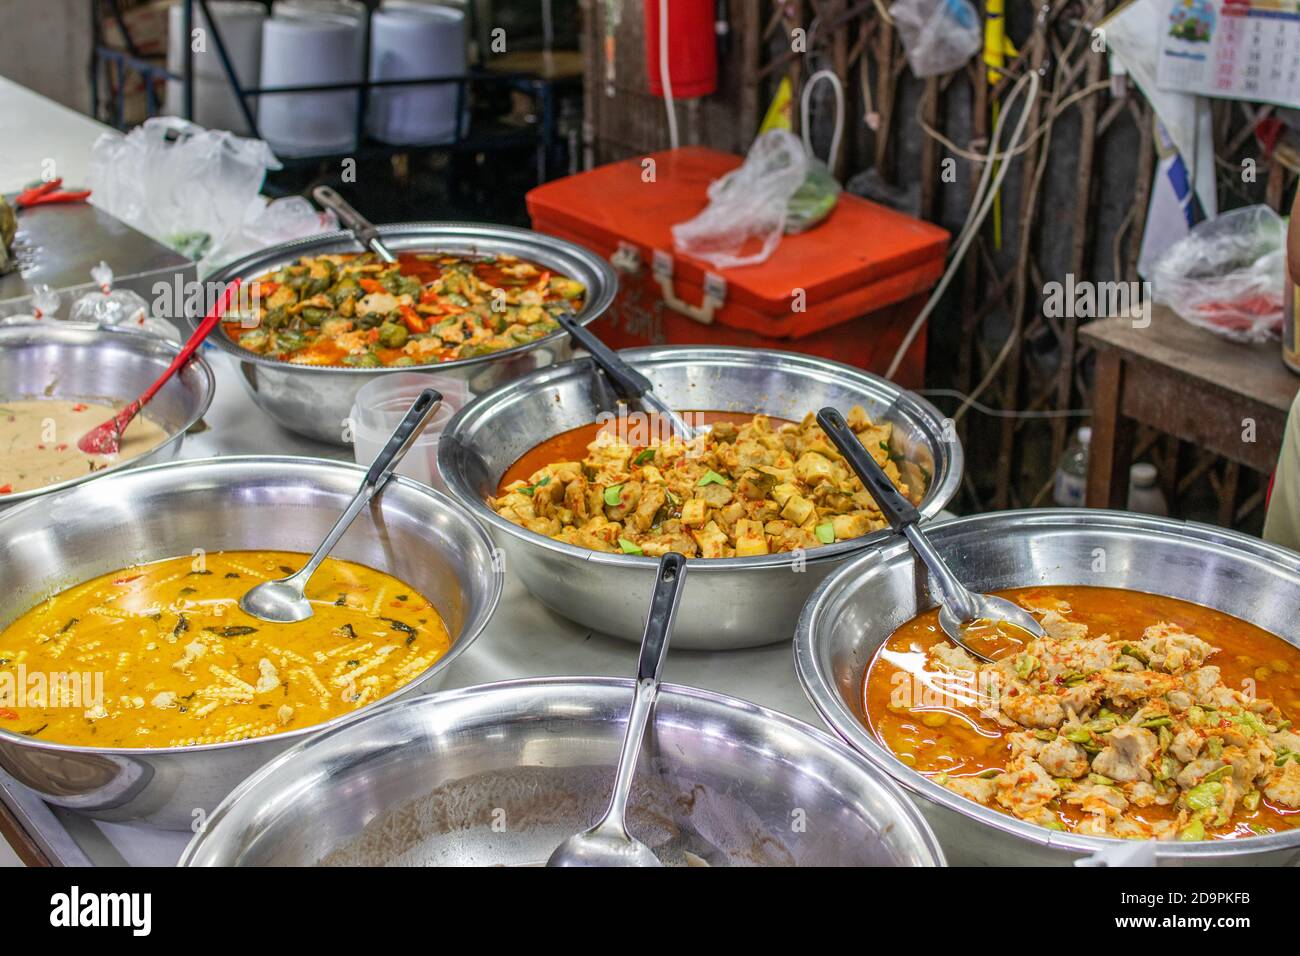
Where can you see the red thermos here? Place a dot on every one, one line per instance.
(692, 47)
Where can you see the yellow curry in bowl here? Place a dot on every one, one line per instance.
(160, 655)
(1138, 716)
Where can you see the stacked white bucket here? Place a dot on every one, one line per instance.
(215, 104)
(407, 41)
(321, 42)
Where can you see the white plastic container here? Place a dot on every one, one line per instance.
(1144, 495)
(302, 46)
(408, 41)
(379, 407)
(215, 104)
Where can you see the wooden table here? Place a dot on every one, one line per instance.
(1185, 382)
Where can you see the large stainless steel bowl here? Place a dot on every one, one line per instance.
(727, 603)
(501, 773)
(147, 514)
(857, 609)
(315, 400)
(72, 361)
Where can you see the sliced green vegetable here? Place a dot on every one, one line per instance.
(1251, 801)
(1079, 735)
(825, 533)
(1135, 652)
(1219, 774)
(1154, 722)
(612, 495)
(646, 455)
(711, 477)
(1204, 796)
(629, 547)
(1192, 832)
(1025, 665)
(1101, 779)
(1214, 746)
(529, 489)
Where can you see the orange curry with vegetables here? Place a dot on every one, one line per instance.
(1138, 716)
(354, 309)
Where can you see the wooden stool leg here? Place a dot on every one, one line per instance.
(1111, 450)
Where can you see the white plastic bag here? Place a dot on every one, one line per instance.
(745, 217)
(1228, 274)
(938, 35)
(185, 186)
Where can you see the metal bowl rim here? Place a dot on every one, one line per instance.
(591, 309)
(208, 388)
(937, 496)
(818, 687)
(553, 686)
(457, 648)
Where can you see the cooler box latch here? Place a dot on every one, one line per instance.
(626, 258)
(715, 291)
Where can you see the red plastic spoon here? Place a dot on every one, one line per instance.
(106, 439)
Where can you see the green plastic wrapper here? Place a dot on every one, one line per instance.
(813, 201)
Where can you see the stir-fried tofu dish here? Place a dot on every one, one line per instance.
(160, 655)
(354, 309)
(1137, 716)
(740, 489)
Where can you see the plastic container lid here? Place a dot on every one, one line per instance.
(379, 407)
(1084, 435)
(1143, 474)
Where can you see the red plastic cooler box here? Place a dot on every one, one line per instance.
(845, 290)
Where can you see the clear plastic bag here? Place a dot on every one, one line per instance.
(1228, 274)
(186, 186)
(938, 35)
(746, 214)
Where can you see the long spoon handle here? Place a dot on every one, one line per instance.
(628, 381)
(353, 221)
(654, 649)
(381, 469)
(898, 511)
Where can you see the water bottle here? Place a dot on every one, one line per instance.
(1144, 496)
(1072, 471)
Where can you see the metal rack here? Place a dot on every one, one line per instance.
(544, 137)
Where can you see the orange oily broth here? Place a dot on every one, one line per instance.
(370, 634)
(939, 735)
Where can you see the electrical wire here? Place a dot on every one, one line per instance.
(806, 99)
(664, 78)
(981, 203)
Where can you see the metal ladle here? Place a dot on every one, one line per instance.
(282, 600)
(608, 843)
(958, 607)
(353, 221)
(628, 382)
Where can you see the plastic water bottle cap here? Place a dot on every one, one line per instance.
(1084, 435)
(1143, 474)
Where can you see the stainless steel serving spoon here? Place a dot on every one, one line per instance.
(608, 843)
(628, 382)
(958, 607)
(353, 221)
(282, 601)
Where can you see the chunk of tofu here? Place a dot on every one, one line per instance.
(694, 513)
(750, 539)
(712, 541)
(797, 509)
(783, 493)
(812, 468)
(850, 526)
